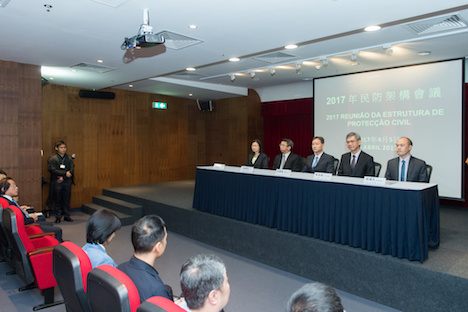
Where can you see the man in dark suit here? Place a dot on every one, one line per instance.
(288, 160)
(319, 161)
(149, 239)
(356, 163)
(406, 167)
(9, 190)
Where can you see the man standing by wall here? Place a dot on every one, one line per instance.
(61, 168)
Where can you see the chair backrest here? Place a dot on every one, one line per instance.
(4, 203)
(110, 289)
(336, 162)
(20, 259)
(377, 167)
(71, 268)
(429, 172)
(159, 304)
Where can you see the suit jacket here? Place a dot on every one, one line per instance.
(325, 164)
(416, 172)
(261, 162)
(294, 162)
(364, 166)
(146, 279)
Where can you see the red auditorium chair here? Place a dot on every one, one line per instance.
(32, 256)
(110, 289)
(71, 268)
(159, 304)
(32, 228)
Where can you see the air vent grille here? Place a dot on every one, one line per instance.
(92, 68)
(276, 57)
(436, 25)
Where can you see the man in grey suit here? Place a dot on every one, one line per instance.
(406, 167)
(319, 161)
(287, 159)
(356, 163)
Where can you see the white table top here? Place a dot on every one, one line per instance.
(414, 186)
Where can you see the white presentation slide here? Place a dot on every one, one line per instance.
(422, 102)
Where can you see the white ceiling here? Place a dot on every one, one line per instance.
(83, 31)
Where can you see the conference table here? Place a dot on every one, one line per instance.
(396, 218)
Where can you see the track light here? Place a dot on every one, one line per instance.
(252, 74)
(272, 71)
(324, 61)
(388, 49)
(233, 77)
(298, 67)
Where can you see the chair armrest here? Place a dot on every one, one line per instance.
(39, 235)
(32, 224)
(40, 251)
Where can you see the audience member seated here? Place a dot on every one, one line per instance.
(356, 163)
(100, 230)
(319, 161)
(405, 167)
(287, 159)
(257, 158)
(149, 239)
(315, 297)
(8, 190)
(204, 284)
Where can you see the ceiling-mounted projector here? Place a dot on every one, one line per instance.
(145, 37)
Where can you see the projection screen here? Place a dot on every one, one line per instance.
(422, 102)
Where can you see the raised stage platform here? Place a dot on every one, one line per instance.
(438, 284)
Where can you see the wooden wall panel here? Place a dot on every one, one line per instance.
(125, 142)
(20, 128)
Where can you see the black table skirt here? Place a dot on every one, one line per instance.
(402, 223)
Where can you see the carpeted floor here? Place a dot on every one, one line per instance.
(254, 286)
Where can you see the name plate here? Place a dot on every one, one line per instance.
(283, 172)
(374, 180)
(219, 166)
(322, 176)
(246, 169)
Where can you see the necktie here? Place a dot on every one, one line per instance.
(353, 162)
(315, 162)
(402, 173)
(283, 160)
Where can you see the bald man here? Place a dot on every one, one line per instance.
(406, 168)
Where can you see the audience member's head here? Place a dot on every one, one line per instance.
(101, 227)
(8, 187)
(204, 283)
(148, 233)
(315, 297)
(3, 175)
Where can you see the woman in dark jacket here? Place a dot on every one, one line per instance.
(257, 159)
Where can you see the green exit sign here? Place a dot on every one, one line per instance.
(159, 105)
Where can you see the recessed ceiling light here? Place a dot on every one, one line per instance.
(193, 26)
(130, 86)
(190, 69)
(100, 61)
(190, 94)
(291, 46)
(73, 70)
(51, 78)
(234, 59)
(372, 28)
(424, 53)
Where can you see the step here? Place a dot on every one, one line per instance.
(125, 219)
(116, 204)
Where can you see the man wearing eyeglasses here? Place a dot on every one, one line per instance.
(287, 159)
(9, 190)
